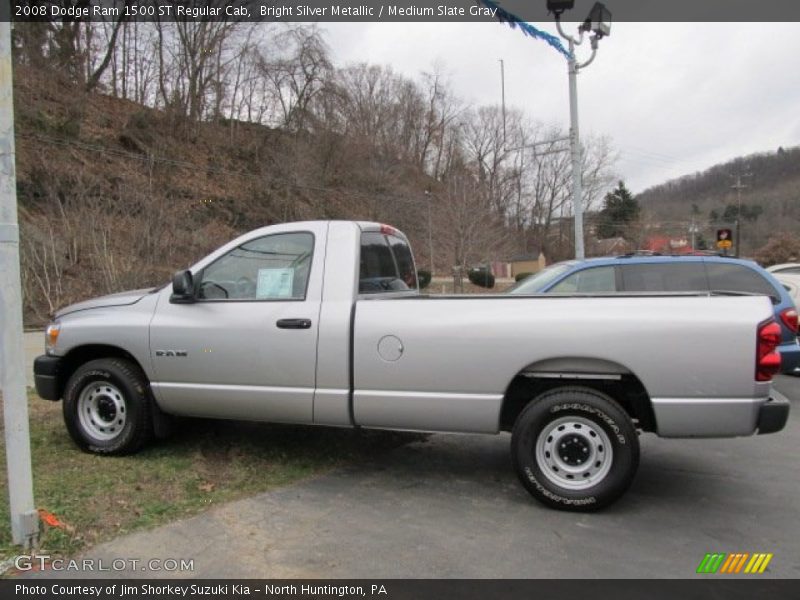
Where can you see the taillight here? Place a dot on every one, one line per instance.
(388, 230)
(789, 318)
(768, 361)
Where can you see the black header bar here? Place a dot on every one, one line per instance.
(705, 588)
(534, 11)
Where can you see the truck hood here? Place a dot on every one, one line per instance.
(119, 299)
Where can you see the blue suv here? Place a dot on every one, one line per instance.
(639, 273)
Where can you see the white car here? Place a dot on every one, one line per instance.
(790, 280)
(785, 269)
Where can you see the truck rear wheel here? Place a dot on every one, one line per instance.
(575, 448)
(107, 407)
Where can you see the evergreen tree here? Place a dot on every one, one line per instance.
(731, 213)
(620, 211)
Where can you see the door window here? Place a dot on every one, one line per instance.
(736, 278)
(665, 277)
(597, 280)
(274, 267)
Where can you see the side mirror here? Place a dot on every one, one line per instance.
(423, 279)
(182, 288)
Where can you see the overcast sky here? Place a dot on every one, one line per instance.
(675, 98)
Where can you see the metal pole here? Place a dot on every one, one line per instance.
(738, 214)
(503, 95)
(575, 149)
(738, 235)
(24, 519)
(430, 233)
(739, 187)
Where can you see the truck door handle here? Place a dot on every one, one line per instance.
(294, 323)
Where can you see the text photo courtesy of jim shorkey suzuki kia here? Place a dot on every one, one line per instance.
(191, 590)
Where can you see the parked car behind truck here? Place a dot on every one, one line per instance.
(322, 323)
(653, 273)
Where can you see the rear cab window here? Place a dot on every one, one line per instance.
(386, 264)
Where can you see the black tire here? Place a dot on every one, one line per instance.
(115, 415)
(578, 422)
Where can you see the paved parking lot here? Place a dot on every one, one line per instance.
(451, 506)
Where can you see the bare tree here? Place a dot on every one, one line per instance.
(95, 75)
(473, 232)
(297, 74)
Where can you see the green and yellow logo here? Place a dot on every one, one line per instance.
(738, 562)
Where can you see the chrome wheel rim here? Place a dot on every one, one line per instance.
(574, 453)
(101, 410)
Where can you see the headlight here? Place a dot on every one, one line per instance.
(51, 336)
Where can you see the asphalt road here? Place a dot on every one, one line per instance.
(451, 506)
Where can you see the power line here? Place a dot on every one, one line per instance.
(658, 155)
(654, 163)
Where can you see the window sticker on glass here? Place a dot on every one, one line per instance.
(274, 283)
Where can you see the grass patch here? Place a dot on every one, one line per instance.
(204, 463)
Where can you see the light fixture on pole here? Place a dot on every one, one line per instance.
(559, 6)
(598, 23)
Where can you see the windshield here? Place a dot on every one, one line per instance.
(536, 283)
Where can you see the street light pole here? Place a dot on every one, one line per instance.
(599, 22)
(575, 149)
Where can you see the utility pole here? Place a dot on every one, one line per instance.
(739, 186)
(430, 232)
(24, 519)
(503, 96)
(693, 230)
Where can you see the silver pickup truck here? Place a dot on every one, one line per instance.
(322, 323)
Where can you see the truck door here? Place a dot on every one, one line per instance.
(246, 349)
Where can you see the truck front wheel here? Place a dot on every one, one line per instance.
(107, 407)
(575, 448)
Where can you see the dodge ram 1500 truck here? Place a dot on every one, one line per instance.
(322, 323)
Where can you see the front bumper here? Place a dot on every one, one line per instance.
(774, 413)
(46, 376)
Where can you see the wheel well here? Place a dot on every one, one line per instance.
(626, 389)
(83, 354)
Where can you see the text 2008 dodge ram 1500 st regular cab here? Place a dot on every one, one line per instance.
(322, 323)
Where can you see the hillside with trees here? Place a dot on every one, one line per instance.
(761, 190)
(142, 146)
